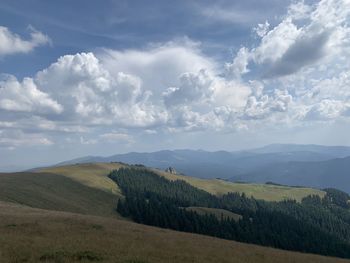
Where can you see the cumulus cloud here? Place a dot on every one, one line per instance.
(159, 66)
(327, 110)
(88, 91)
(11, 43)
(193, 88)
(306, 35)
(26, 97)
(259, 107)
(301, 63)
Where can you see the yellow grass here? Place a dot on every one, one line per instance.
(90, 174)
(56, 192)
(35, 235)
(258, 191)
(95, 175)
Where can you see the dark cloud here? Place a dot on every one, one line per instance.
(304, 52)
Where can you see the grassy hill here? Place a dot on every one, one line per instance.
(259, 191)
(56, 192)
(86, 188)
(95, 175)
(36, 235)
(89, 174)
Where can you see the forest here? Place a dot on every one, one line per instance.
(316, 225)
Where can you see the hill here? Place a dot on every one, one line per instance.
(35, 235)
(56, 192)
(95, 175)
(89, 174)
(332, 173)
(265, 192)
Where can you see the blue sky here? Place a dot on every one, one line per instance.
(103, 77)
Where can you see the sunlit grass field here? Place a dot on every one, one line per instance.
(89, 174)
(259, 191)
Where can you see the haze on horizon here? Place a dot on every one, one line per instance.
(84, 78)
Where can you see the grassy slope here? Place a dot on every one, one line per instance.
(55, 192)
(258, 191)
(95, 175)
(28, 234)
(215, 211)
(89, 174)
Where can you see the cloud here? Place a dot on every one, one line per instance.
(327, 110)
(297, 72)
(11, 43)
(193, 88)
(262, 29)
(260, 107)
(305, 51)
(16, 138)
(26, 97)
(239, 66)
(307, 34)
(158, 65)
(92, 94)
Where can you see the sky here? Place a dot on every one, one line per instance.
(84, 78)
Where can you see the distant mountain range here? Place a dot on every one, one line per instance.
(331, 173)
(291, 164)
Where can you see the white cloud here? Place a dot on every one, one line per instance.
(92, 94)
(307, 34)
(299, 10)
(327, 110)
(16, 138)
(26, 97)
(11, 43)
(259, 107)
(298, 71)
(194, 88)
(160, 65)
(239, 66)
(262, 29)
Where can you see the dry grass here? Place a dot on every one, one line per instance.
(89, 174)
(258, 191)
(56, 192)
(95, 175)
(34, 235)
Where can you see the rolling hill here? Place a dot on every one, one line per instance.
(56, 192)
(95, 175)
(87, 190)
(35, 235)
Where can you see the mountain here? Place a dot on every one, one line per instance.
(335, 151)
(204, 164)
(321, 174)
